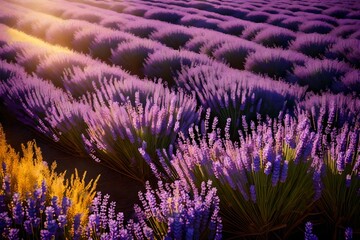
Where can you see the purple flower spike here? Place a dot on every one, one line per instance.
(54, 203)
(268, 153)
(13, 234)
(45, 235)
(256, 164)
(66, 203)
(340, 162)
(3, 166)
(284, 171)
(268, 167)
(317, 184)
(348, 180)
(308, 232)
(276, 171)
(62, 221)
(17, 210)
(77, 230)
(253, 193)
(7, 184)
(50, 222)
(348, 233)
(43, 195)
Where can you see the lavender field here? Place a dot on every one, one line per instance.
(206, 119)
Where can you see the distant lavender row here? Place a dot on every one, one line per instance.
(104, 52)
(268, 14)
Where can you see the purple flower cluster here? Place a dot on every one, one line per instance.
(140, 117)
(231, 94)
(309, 232)
(235, 167)
(169, 211)
(34, 216)
(46, 108)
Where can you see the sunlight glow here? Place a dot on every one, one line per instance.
(18, 36)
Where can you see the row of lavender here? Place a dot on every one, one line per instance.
(322, 18)
(119, 48)
(36, 202)
(260, 33)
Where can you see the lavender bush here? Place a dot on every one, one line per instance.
(252, 30)
(63, 32)
(53, 68)
(165, 64)
(252, 176)
(136, 10)
(274, 62)
(131, 56)
(235, 53)
(277, 19)
(84, 15)
(30, 58)
(8, 71)
(292, 23)
(211, 44)
(125, 136)
(164, 15)
(351, 82)
(238, 96)
(83, 39)
(329, 112)
(235, 27)
(142, 28)
(275, 37)
(324, 18)
(113, 22)
(353, 15)
(79, 82)
(320, 75)
(198, 21)
(341, 181)
(103, 44)
(344, 31)
(316, 27)
(346, 50)
(32, 24)
(239, 13)
(9, 53)
(355, 35)
(171, 212)
(337, 12)
(258, 17)
(196, 43)
(46, 108)
(313, 45)
(173, 38)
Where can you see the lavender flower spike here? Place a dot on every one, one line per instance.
(268, 167)
(276, 171)
(308, 232)
(253, 193)
(348, 233)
